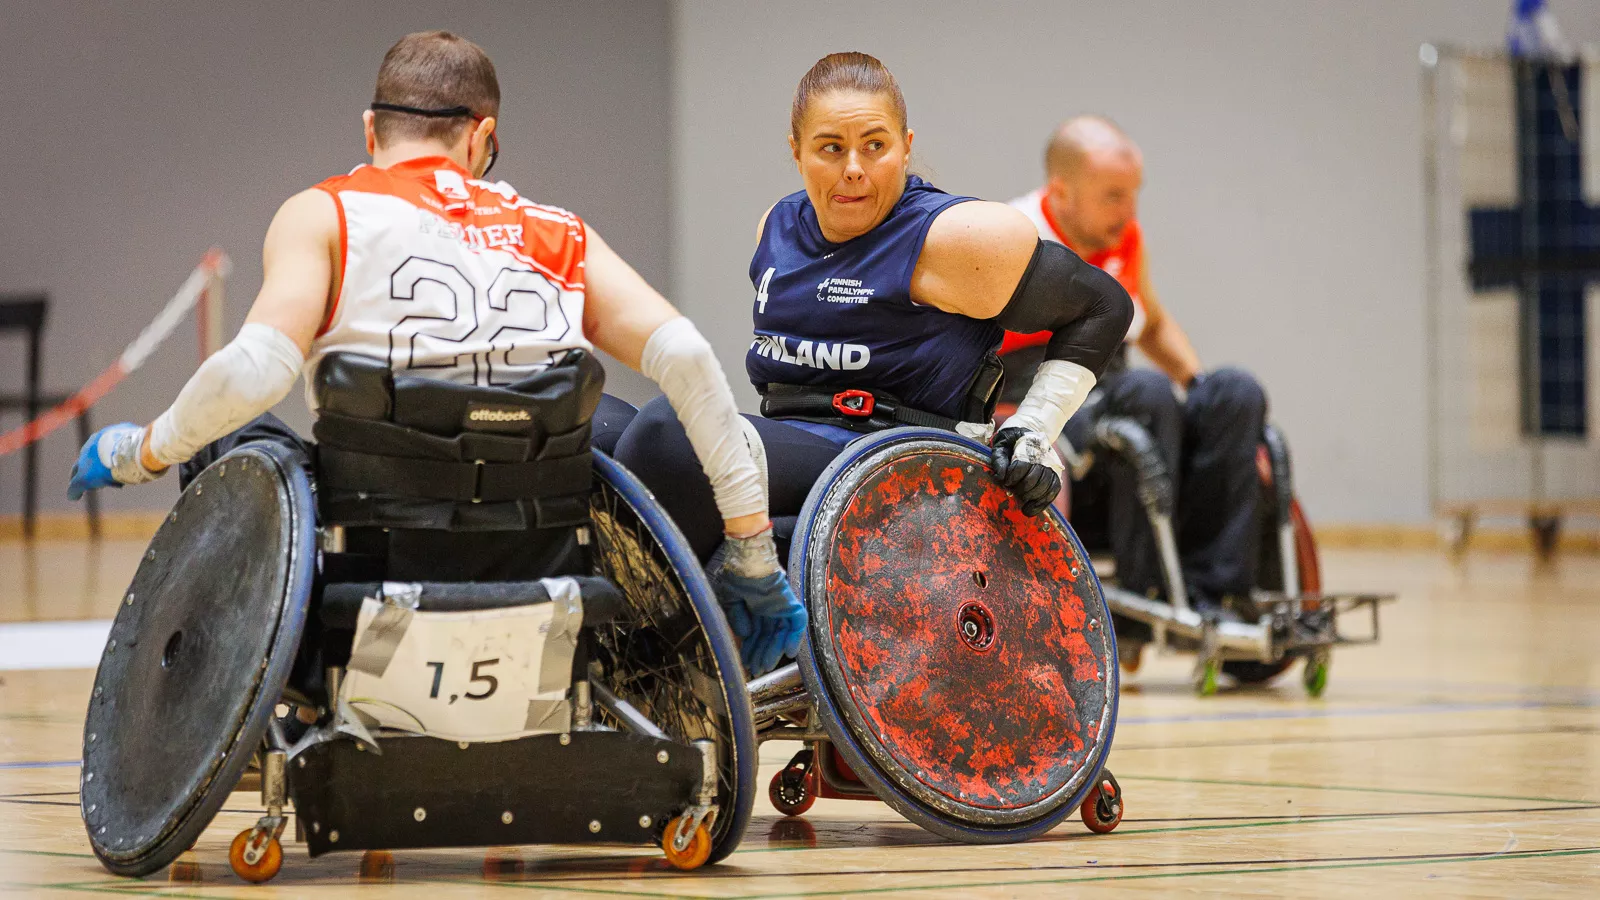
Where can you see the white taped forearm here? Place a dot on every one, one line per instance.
(679, 359)
(238, 383)
(1058, 389)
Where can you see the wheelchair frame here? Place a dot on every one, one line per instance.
(688, 742)
(1298, 621)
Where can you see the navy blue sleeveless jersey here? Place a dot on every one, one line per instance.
(840, 316)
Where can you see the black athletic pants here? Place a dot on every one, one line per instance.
(1209, 442)
(655, 448)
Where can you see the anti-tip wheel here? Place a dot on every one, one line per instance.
(694, 854)
(1205, 677)
(267, 853)
(1102, 809)
(790, 791)
(377, 867)
(1316, 675)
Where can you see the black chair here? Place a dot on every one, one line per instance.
(27, 313)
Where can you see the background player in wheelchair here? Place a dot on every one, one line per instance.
(447, 578)
(1176, 471)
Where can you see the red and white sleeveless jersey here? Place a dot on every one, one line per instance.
(451, 277)
(1121, 262)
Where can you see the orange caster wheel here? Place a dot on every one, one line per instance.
(255, 855)
(792, 790)
(377, 867)
(693, 853)
(1102, 809)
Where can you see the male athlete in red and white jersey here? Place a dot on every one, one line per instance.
(456, 276)
(416, 260)
(1209, 437)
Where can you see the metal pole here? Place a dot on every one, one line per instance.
(208, 316)
(1429, 56)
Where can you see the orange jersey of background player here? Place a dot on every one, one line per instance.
(1123, 262)
(458, 276)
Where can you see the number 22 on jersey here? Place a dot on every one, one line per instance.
(518, 316)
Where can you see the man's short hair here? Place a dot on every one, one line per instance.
(1076, 138)
(433, 70)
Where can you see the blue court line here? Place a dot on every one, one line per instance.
(1426, 684)
(1354, 712)
(53, 764)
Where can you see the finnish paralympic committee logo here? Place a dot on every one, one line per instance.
(844, 290)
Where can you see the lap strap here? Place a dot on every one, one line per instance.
(853, 408)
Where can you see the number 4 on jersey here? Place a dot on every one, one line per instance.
(761, 290)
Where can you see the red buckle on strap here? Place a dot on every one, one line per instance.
(855, 404)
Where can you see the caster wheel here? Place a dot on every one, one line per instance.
(255, 856)
(1205, 678)
(1102, 809)
(1130, 655)
(1316, 675)
(694, 853)
(377, 867)
(790, 791)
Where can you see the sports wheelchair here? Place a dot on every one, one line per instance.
(1255, 639)
(960, 664)
(453, 625)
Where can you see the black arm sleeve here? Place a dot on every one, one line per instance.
(1086, 310)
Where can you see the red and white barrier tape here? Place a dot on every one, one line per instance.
(214, 265)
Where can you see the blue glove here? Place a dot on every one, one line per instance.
(110, 458)
(766, 616)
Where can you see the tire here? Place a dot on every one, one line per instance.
(885, 786)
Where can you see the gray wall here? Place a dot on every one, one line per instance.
(1283, 197)
(140, 134)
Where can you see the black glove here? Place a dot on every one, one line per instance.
(1027, 466)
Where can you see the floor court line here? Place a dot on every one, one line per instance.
(1378, 863)
(48, 764)
(1193, 869)
(52, 645)
(1092, 865)
(1209, 867)
(1352, 788)
(1352, 712)
(1254, 822)
(1069, 836)
(1121, 747)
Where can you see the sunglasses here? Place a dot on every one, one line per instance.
(449, 112)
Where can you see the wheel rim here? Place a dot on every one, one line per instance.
(660, 657)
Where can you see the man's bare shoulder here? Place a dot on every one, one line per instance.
(313, 210)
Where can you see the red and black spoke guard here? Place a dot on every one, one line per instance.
(960, 650)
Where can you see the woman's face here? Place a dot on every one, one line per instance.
(852, 156)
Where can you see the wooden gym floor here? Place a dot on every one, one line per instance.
(1460, 757)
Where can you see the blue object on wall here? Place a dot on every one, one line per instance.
(1548, 248)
